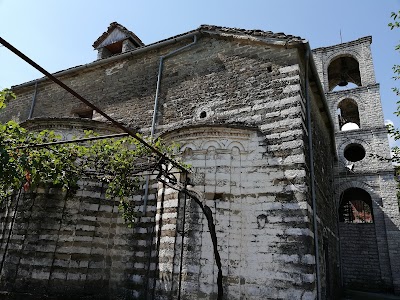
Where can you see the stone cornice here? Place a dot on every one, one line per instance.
(79, 124)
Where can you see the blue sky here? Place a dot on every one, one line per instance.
(59, 34)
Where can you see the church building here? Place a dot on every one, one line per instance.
(289, 196)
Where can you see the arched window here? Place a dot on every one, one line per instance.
(342, 71)
(349, 117)
(355, 206)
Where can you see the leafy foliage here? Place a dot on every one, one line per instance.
(114, 162)
(395, 132)
(395, 16)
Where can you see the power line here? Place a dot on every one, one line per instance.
(82, 140)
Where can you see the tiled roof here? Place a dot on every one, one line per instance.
(110, 28)
(238, 31)
(252, 32)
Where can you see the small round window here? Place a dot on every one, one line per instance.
(354, 152)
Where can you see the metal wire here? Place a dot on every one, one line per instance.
(182, 248)
(131, 132)
(73, 141)
(10, 230)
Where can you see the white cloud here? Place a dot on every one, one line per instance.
(392, 141)
(387, 122)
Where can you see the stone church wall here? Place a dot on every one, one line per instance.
(328, 236)
(260, 200)
(360, 261)
(262, 223)
(72, 247)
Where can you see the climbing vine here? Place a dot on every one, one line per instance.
(116, 162)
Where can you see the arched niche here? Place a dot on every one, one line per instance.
(355, 206)
(348, 115)
(343, 70)
(216, 153)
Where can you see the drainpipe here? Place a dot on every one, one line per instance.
(153, 128)
(312, 175)
(153, 124)
(160, 68)
(182, 244)
(33, 101)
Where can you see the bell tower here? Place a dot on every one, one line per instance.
(369, 221)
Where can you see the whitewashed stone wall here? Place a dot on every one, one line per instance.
(255, 178)
(240, 182)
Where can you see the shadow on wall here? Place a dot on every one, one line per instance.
(363, 229)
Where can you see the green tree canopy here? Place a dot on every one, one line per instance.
(395, 132)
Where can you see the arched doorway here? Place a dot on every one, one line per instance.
(355, 206)
(358, 241)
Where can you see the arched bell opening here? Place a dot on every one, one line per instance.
(343, 71)
(348, 115)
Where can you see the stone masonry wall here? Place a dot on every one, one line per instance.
(66, 247)
(371, 115)
(326, 208)
(376, 189)
(262, 223)
(360, 260)
(235, 75)
(58, 246)
(369, 173)
(219, 82)
(359, 49)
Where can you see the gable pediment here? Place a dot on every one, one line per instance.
(115, 36)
